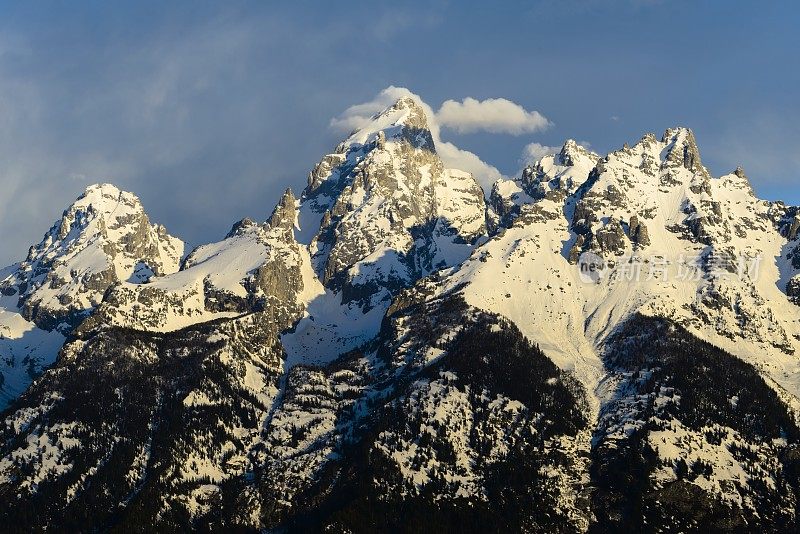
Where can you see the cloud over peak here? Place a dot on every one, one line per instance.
(495, 115)
(359, 115)
(533, 152)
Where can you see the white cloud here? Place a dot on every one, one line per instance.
(359, 115)
(533, 152)
(454, 157)
(495, 115)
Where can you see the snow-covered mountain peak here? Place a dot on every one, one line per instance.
(104, 196)
(241, 227)
(379, 197)
(737, 183)
(648, 139)
(738, 179)
(101, 207)
(389, 138)
(572, 154)
(104, 237)
(378, 214)
(258, 267)
(403, 121)
(674, 243)
(543, 186)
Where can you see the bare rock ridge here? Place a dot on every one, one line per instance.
(284, 216)
(257, 266)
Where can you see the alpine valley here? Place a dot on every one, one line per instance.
(396, 350)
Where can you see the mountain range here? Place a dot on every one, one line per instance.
(600, 343)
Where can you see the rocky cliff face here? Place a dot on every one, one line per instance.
(392, 351)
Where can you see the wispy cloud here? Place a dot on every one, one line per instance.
(495, 115)
(533, 152)
(392, 22)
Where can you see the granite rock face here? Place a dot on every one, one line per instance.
(638, 232)
(542, 190)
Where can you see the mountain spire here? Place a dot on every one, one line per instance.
(284, 216)
(683, 150)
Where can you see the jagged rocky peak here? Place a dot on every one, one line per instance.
(412, 122)
(559, 174)
(403, 122)
(737, 181)
(682, 150)
(649, 139)
(284, 216)
(118, 217)
(241, 227)
(383, 205)
(104, 237)
(636, 184)
(258, 267)
(553, 177)
(612, 202)
(572, 152)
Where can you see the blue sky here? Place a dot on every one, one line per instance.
(208, 111)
